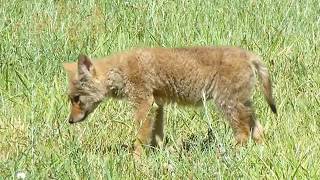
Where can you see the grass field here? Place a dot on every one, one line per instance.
(36, 139)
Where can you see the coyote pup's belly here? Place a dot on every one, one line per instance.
(189, 88)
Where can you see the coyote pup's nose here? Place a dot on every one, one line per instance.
(71, 120)
(77, 118)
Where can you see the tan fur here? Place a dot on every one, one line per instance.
(225, 75)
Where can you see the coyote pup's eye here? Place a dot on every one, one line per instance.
(75, 99)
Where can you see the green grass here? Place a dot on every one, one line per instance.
(37, 36)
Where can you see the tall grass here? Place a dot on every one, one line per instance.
(37, 36)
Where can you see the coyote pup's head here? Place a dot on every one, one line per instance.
(85, 89)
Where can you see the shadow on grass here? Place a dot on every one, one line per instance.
(191, 143)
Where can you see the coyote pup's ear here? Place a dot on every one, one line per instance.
(71, 69)
(85, 67)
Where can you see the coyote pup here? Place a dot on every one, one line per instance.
(225, 75)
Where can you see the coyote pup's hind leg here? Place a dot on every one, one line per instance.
(255, 126)
(242, 120)
(239, 118)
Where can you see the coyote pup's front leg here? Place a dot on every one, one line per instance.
(157, 129)
(144, 124)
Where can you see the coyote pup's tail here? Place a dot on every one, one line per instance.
(266, 82)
